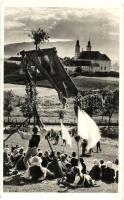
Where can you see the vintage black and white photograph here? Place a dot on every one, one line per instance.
(61, 99)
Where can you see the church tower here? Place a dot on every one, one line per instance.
(77, 49)
(89, 46)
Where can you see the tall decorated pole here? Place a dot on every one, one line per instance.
(39, 36)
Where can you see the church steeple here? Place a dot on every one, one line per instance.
(77, 49)
(89, 45)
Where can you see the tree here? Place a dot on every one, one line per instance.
(111, 104)
(39, 36)
(8, 103)
(78, 69)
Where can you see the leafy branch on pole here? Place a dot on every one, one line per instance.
(39, 36)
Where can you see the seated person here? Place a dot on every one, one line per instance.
(80, 180)
(102, 166)
(8, 165)
(62, 164)
(36, 172)
(83, 166)
(95, 171)
(14, 156)
(116, 176)
(45, 159)
(109, 173)
(58, 155)
(74, 160)
(20, 165)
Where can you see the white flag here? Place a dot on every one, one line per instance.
(88, 129)
(65, 135)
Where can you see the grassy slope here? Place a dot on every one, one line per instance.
(94, 83)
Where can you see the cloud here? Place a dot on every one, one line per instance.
(100, 24)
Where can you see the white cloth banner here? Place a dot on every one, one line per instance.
(65, 135)
(88, 129)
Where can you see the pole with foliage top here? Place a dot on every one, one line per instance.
(39, 36)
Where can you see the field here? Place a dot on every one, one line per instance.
(109, 146)
(109, 152)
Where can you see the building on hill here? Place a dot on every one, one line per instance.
(92, 61)
(17, 61)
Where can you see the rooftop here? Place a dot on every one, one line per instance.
(93, 55)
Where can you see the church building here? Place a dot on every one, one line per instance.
(91, 61)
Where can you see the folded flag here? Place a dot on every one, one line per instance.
(65, 135)
(88, 129)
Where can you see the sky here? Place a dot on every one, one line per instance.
(66, 24)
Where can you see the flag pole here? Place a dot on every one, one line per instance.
(14, 131)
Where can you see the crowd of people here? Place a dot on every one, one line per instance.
(69, 170)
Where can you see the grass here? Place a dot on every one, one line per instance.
(109, 152)
(109, 146)
(94, 83)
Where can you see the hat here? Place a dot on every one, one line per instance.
(96, 162)
(109, 164)
(36, 159)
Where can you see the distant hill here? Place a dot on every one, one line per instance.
(63, 48)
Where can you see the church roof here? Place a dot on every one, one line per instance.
(93, 55)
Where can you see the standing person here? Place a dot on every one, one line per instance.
(34, 140)
(56, 138)
(84, 145)
(64, 102)
(64, 142)
(98, 146)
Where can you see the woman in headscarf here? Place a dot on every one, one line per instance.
(109, 173)
(95, 171)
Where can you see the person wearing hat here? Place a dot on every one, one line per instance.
(109, 173)
(37, 172)
(95, 172)
(34, 140)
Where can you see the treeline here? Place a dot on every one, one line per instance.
(78, 72)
